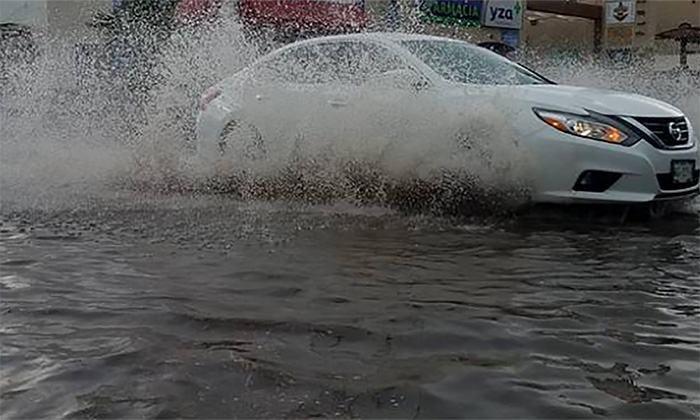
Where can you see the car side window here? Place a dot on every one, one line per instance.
(291, 66)
(345, 62)
(356, 62)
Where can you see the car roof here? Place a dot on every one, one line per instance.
(379, 36)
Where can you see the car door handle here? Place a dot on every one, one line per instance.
(260, 97)
(337, 103)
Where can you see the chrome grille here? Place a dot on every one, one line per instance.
(672, 132)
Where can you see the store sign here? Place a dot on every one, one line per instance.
(620, 12)
(458, 12)
(503, 14)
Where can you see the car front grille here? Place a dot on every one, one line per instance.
(672, 132)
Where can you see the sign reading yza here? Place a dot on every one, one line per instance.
(460, 12)
(504, 14)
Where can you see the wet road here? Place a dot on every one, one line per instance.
(124, 304)
(208, 307)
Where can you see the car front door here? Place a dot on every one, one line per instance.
(380, 108)
(347, 99)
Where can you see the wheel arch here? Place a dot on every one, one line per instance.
(210, 127)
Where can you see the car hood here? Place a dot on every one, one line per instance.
(576, 99)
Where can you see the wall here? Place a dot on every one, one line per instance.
(654, 16)
(546, 31)
(73, 15)
(25, 12)
(662, 15)
(669, 14)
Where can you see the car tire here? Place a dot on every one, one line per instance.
(242, 140)
(224, 162)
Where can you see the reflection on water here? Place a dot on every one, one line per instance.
(214, 308)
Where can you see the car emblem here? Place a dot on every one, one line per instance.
(675, 131)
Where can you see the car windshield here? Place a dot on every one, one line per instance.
(464, 63)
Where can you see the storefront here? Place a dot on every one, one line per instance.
(496, 23)
(304, 17)
(493, 21)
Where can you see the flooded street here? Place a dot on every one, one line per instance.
(129, 288)
(212, 308)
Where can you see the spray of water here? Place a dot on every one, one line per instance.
(76, 127)
(657, 77)
(93, 110)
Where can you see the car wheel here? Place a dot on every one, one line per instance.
(241, 140)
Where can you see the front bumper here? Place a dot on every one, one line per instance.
(561, 159)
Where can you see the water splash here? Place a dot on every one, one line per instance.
(76, 127)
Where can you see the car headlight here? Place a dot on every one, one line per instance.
(692, 134)
(588, 126)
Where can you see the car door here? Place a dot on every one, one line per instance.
(338, 98)
(310, 100)
(351, 114)
(382, 108)
(281, 98)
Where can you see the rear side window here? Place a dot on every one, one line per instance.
(347, 62)
(357, 62)
(292, 66)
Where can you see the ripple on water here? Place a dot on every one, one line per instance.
(211, 309)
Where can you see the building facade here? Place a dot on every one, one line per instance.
(619, 24)
(583, 26)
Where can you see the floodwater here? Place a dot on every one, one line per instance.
(208, 307)
(124, 297)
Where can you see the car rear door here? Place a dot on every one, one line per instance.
(353, 114)
(311, 100)
(281, 98)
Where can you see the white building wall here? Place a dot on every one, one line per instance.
(25, 12)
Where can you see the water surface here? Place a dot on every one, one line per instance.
(210, 307)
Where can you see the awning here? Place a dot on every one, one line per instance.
(684, 32)
(303, 12)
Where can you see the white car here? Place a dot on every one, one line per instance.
(589, 145)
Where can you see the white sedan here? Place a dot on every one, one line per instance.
(388, 89)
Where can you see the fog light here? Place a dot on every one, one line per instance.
(586, 179)
(596, 181)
